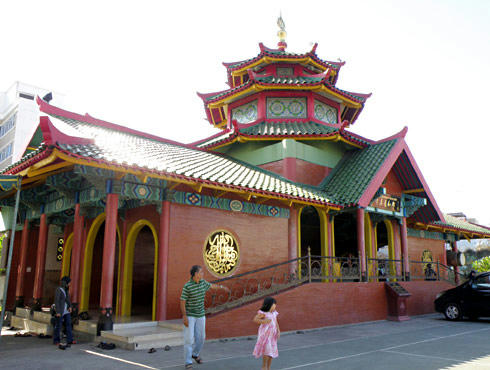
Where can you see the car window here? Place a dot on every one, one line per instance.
(482, 282)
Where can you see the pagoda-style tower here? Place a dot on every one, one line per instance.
(279, 95)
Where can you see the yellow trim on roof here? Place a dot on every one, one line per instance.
(269, 59)
(412, 191)
(334, 138)
(173, 179)
(256, 88)
(219, 103)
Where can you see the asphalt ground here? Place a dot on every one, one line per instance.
(424, 342)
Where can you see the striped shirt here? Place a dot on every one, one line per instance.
(193, 294)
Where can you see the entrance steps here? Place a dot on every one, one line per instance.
(145, 335)
(39, 322)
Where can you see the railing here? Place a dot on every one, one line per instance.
(259, 283)
(383, 269)
(423, 270)
(256, 284)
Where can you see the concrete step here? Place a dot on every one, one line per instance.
(31, 325)
(42, 316)
(86, 326)
(132, 325)
(23, 312)
(143, 336)
(144, 344)
(141, 345)
(172, 324)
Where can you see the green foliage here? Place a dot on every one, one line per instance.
(482, 265)
(482, 249)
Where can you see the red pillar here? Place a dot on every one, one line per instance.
(292, 238)
(21, 269)
(456, 268)
(330, 253)
(124, 236)
(40, 262)
(162, 282)
(76, 253)
(293, 233)
(360, 242)
(404, 243)
(108, 258)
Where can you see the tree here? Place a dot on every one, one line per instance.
(482, 265)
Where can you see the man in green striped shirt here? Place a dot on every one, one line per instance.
(192, 307)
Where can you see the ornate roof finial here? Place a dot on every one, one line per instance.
(281, 33)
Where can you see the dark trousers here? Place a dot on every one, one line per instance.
(57, 328)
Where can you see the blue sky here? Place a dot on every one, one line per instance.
(141, 63)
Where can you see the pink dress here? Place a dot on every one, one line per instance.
(267, 337)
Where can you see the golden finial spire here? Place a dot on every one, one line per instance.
(281, 33)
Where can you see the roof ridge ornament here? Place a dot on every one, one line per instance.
(281, 33)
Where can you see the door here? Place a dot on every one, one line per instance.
(480, 295)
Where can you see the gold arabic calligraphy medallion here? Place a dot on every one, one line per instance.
(221, 253)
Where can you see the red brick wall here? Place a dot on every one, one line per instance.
(310, 173)
(393, 187)
(305, 172)
(276, 167)
(262, 241)
(423, 295)
(309, 306)
(319, 304)
(30, 262)
(417, 245)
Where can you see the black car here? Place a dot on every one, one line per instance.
(470, 299)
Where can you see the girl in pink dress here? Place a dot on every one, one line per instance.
(269, 333)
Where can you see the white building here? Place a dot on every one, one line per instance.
(19, 117)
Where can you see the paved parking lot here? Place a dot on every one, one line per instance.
(424, 342)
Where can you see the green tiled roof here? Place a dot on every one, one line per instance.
(223, 137)
(288, 128)
(26, 157)
(296, 80)
(126, 149)
(463, 225)
(228, 92)
(353, 174)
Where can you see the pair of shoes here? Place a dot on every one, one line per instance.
(198, 359)
(188, 366)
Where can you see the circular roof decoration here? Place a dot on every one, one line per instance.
(221, 253)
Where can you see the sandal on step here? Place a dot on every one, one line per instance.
(198, 359)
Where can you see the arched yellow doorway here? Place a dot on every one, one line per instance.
(129, 263)
(390, 240)
(319, 217)
(87, 265)
(65, 265)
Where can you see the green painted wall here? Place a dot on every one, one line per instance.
(321, 152)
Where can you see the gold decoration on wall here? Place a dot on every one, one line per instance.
(221, 253)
